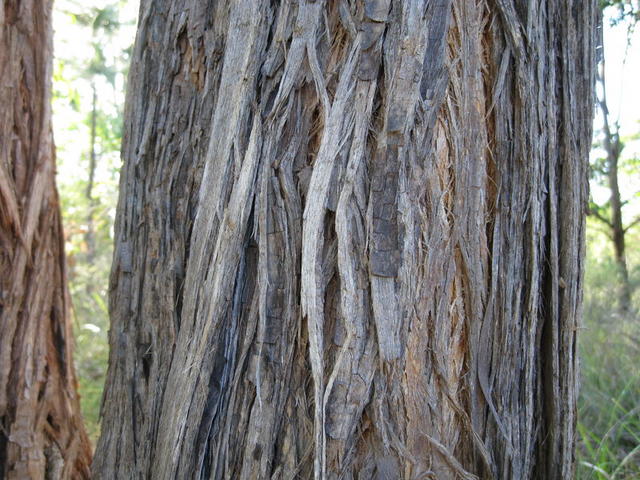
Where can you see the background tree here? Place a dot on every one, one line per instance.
(609, 346)
(41, 432)
(88, 97)
(102, 21)
(607, 169)
(349, 239)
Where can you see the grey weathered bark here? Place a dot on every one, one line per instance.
(349, 240)
(41, 432)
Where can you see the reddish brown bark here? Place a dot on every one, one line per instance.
(41, 431)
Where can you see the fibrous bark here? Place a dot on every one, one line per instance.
(41, 432)
(349, 240)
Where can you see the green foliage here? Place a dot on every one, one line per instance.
(80, 67)
(628, 168)
(609, 343)
(622, 9)
(609, 412)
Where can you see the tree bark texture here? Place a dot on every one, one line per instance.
(349, 240)
(41, 431)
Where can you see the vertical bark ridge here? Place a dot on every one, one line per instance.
(41, 432)
(345, 241)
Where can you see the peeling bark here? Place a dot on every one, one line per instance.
(349, 240)
(41, 431)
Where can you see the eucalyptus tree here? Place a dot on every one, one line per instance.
(607, 169)
(41, 431)
(349, 240)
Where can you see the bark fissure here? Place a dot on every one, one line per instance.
(376, 209)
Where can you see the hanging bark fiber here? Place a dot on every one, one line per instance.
(349, 241)
(41, 431)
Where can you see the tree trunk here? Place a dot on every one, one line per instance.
(90, 236)
(41, 432)
(349, 241)
(617, 228)
(613, 149)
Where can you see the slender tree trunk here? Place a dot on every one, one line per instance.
(617, 228)
(613, 148)
(349, 241)
(41, 432)
(90, 236)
